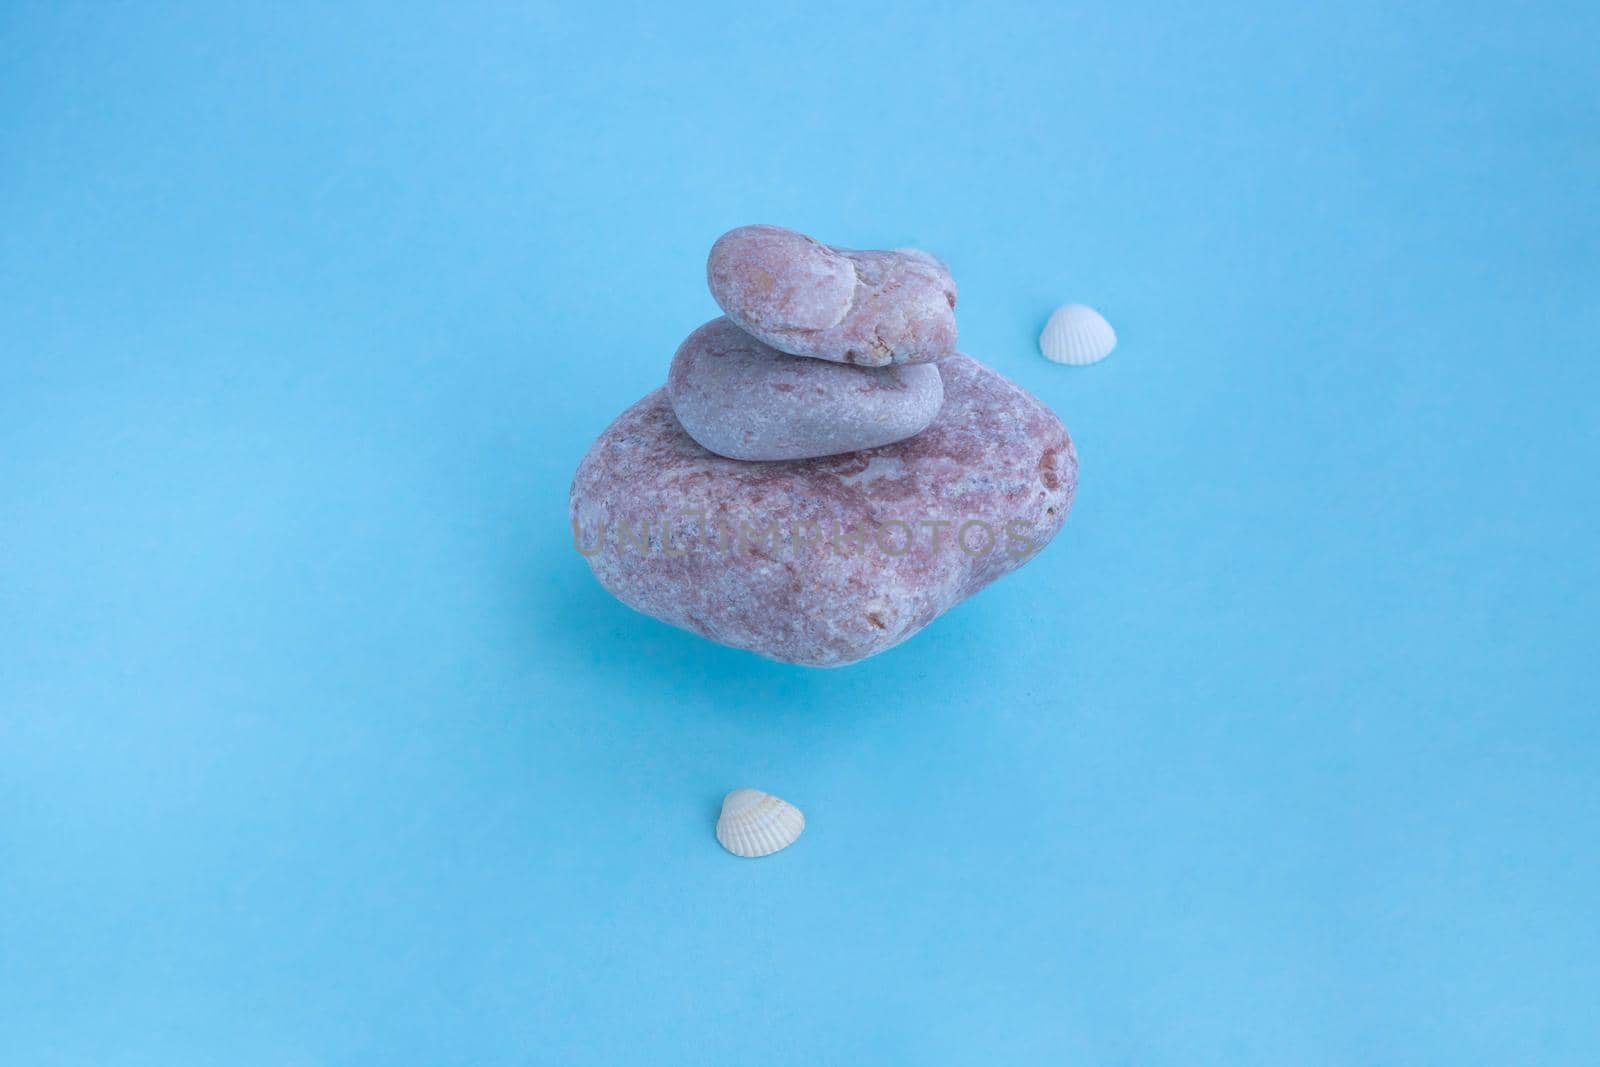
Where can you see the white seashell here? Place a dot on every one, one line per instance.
(1077, 335)
(754, 823)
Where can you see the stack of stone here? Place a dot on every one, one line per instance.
(823, 351)
(823, 474)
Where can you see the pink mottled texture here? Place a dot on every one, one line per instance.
(745, 400)
(677, 532)
(802, 297)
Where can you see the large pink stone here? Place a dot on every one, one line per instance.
(824, 562)
(802, 297)
(746, 400)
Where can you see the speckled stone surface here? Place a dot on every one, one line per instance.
(746, 400)
(805, 298)
(827, 561)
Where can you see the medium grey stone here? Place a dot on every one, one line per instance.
(746, 400)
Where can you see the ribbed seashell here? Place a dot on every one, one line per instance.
(754, 823)
(1077, 335)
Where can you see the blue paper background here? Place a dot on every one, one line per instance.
(319, 744)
